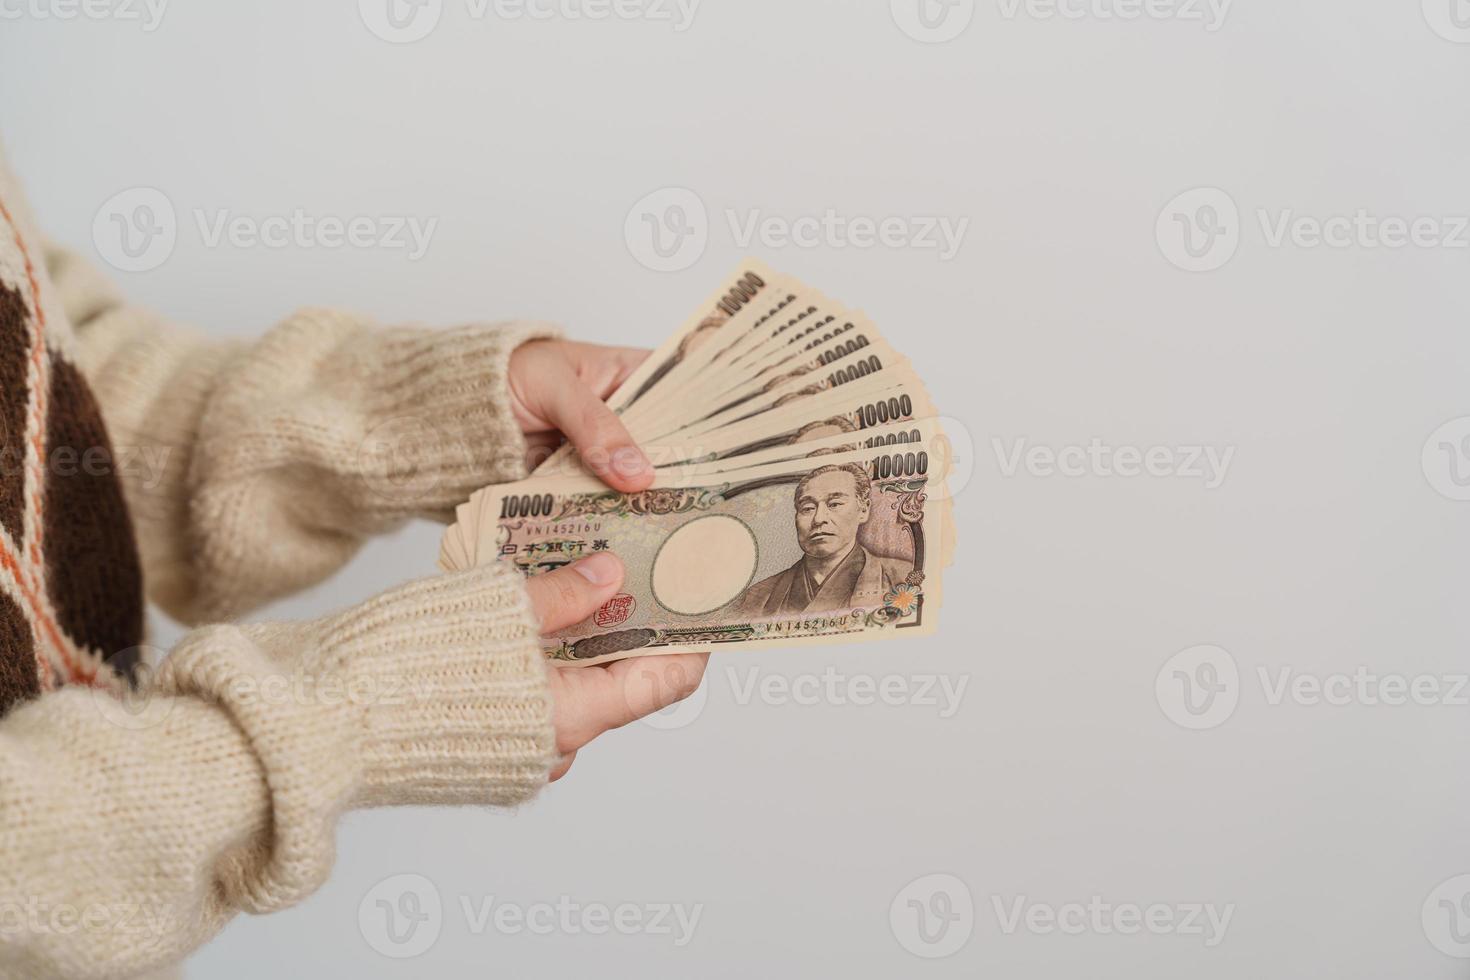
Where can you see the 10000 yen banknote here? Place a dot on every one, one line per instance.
(800, 488)
(717, 322)
(842, 546)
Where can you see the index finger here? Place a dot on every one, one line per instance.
(649, 684)
(598, 434)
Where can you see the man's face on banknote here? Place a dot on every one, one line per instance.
(829, 513)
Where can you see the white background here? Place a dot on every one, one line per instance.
(1061, 320)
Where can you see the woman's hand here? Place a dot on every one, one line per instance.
(558, 387)
(592, 700)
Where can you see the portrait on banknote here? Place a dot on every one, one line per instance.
(832, 506)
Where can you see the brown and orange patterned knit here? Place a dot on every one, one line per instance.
(71, 588)
(201, 799)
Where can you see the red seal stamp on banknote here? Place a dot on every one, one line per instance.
(615, 610)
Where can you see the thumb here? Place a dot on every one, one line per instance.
(569, 595)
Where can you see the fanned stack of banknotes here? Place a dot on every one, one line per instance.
(801, 493)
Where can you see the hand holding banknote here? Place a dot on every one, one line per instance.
(559, 389)
(588, 703)
(799, 492)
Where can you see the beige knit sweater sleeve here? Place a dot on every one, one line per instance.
(131, 832)
(254, 470)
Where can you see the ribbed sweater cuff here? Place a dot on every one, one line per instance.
(462, 712)
(435, 692)
(439, 418)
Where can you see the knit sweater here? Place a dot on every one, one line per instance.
(213, 784)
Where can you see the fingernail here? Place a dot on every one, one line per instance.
(630, 461)
(602, 569)
(596, 459)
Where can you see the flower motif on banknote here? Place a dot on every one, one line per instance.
(664, 501)
(657, 502)
(903, 598)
